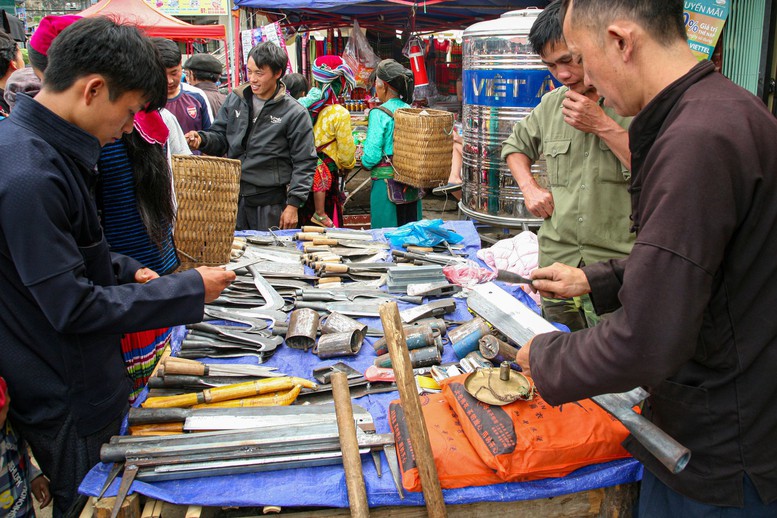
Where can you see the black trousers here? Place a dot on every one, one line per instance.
(65, 458)
(263, 217)
(657, 500)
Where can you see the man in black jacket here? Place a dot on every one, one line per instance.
(272, 135)
(693, 305)
(66, 298)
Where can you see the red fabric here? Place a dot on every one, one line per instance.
(329, 60)
(152, 21)
(48, 29)
(151, 127)
(3, 392)
(322, 179)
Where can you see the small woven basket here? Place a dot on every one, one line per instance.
(206, 189)
(423, 145)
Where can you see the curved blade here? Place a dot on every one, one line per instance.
(272, 298)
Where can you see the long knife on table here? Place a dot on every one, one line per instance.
(174, 365)
(520, 324)
(353, 309)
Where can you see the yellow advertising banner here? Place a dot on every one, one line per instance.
(192, 7)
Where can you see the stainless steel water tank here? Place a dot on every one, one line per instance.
(502, 81)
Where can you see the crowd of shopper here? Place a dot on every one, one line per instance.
(89, 281)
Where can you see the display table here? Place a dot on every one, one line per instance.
(325, 486)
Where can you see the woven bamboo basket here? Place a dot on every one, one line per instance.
(423, 145)
(206, 189)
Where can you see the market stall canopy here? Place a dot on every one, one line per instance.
(13, 26)
(431, 15)
(153, 21)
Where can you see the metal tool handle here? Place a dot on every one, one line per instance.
(205, 328)
(505, 276)
(660, 444)
(318, 306)
(138, 416)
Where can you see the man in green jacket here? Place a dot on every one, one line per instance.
(586, 206)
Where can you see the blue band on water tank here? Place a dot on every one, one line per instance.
(508, 88)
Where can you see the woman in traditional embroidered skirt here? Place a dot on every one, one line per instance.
(334, 139)
(135, 198)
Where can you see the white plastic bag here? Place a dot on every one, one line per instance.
(360, 57)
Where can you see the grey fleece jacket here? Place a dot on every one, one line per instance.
(277, 150)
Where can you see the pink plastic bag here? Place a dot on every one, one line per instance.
(467, 274)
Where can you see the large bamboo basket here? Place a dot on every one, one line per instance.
(206, 189)
(423, 145)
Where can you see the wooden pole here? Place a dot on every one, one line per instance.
(349, 444)
(411, 405)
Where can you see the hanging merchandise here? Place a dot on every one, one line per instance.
(414, 51)
(359, 56)
(270, 32)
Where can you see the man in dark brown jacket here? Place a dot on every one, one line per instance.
(693, 305)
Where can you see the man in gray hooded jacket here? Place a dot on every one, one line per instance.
(272, 136)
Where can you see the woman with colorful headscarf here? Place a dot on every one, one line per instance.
(333, 136)
(392, 204)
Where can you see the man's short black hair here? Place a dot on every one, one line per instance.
(296, 85)
(662, 19)
(271, 55)
(547, 28)
(169, 52)
(37, 60)
(8, 51)
(115, 51)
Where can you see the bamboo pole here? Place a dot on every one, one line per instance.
(411, 405)
(349, 444)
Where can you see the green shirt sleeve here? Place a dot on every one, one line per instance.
(380, 138)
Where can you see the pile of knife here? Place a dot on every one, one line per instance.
(238, 440)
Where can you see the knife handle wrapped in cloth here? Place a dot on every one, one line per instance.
(225, 393)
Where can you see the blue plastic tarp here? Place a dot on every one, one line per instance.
(325, 486)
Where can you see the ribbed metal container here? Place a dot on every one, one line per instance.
(503, 80)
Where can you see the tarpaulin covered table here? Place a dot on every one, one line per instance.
(325, 486)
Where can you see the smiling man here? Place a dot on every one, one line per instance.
(586, 205)
(188, 107)
(693, 305)
(272, 136)
(66, 299)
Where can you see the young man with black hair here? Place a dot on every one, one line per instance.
(272, 135)
(693, 305)
(189, 107)
(10, 61)
(586, 204)
(202, 71)
(66, 298)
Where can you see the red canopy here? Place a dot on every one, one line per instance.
(153, 21)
